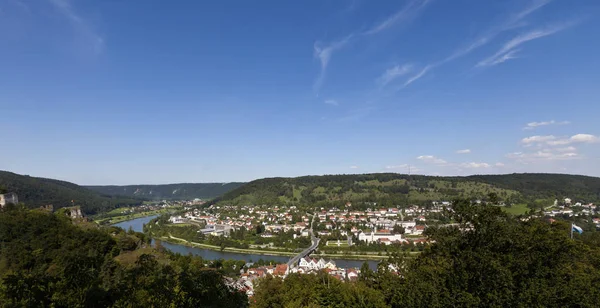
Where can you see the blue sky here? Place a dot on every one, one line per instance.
(128, 92)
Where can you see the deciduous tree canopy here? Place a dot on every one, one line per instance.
(46, 261)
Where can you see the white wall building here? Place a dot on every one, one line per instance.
(9, 198)
(374, 237)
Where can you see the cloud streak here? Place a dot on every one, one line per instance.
(533, 125)
(431, 159)
(418, 76)
(474, 165)
(510, 23)
(508, 51)
(332, 102)
(324, 52)
(392, 73)
(554, 141)
(465, 151)
(406, 14)
(542, 155)
(81, 25)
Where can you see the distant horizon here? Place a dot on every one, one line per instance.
(291, 177)
(210, 91)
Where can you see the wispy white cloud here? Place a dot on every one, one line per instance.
(407, 13)
(499, 164)
(584, 138)
(542, 155)
(420, 74)
(392, 167)
(554, 141)
(324, 53)
(537, 139)
(511, 54)
(353, 167)
(465, 151)
(533, 125)
(511, 22)
(392, 73)
(332, 102)
(548, 147)
(508, 50)
(566, 149)
(474, 165)
(431, 159)
(81, 25)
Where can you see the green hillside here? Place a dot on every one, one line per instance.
(35, 192)
(48, 261)
(394, 189)
(183, 191)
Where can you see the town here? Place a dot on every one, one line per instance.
(375, 229)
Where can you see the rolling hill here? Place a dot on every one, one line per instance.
(393, 189)
(184, 191)
(35, 192)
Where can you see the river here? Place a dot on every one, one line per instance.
(138, 226)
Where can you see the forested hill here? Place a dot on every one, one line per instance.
(391, 189)
(35, 192)
(49, 260)
(184, 191)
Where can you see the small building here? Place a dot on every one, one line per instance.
(177, 219)
(8, 198)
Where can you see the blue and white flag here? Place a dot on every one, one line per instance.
(576, 228)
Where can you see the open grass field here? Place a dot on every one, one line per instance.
(335, 243)
(516, 209)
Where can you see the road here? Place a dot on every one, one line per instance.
(315, 243)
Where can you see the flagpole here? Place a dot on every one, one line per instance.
(571, 230)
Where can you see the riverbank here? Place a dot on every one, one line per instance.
(180, 241)
(117, 219)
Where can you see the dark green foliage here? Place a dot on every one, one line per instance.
(546, 185)
(183, 191)
(46, 261)
(502, 262)
(321, 290)
(36, 192)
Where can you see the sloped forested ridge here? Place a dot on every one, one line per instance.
(391, 188)
(182, 191)
(36, 192)
(47, 261)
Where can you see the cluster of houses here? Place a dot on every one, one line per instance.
(370, 225)
(246, 281)
(570, 209)
(306, 265)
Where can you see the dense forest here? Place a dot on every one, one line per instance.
(393, 189)
(490, 260)
(184, 191)
(36, 192)
(47, 261)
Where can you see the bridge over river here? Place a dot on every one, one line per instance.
(293, 262)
